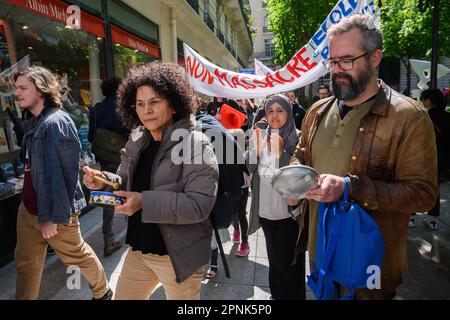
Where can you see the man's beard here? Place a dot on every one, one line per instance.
(354, 87)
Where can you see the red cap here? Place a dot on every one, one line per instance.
(230, 118)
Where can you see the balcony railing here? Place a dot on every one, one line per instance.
(211, 25)
(241, 62)
(209, 21)
(233, 52)
(228, 45)
(220, 36)
(194, 4)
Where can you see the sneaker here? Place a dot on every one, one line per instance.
(107, 296)
(244, 250)
(236, 236)
(212, 272)
(411, 223)
(111, 248)
(50, 251)
(430, 223)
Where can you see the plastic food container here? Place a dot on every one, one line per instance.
(105, 199)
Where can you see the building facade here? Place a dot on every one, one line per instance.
(263, 48)
(216, 29)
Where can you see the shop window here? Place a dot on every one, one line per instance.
(130, 50)
(126, 58)
(75, 55)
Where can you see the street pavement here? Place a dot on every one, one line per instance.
(428, 275)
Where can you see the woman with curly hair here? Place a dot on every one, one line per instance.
(169, 192)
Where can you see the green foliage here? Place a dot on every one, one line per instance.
(294, 22)
(126, 58)
(407, 32)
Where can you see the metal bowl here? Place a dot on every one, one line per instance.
(294, 182)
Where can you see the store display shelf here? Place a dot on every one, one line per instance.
(9, 156)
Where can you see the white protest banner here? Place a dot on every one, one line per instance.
(261, 69)
(304, 68)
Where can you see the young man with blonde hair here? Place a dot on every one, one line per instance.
(52, 194)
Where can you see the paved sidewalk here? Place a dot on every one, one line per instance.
(428, 276)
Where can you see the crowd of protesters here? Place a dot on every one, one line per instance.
(392, 152)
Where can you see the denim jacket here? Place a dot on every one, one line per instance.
(54, 149)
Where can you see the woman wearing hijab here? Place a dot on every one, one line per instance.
(273, 147)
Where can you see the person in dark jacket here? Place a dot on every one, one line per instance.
(104, 116)
(298, 112)
(433, 101)
(240, 221)
(231, 194)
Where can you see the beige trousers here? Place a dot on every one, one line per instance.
(141, 273)
(30, 255)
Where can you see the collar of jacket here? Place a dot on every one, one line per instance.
(141, 135)
(380, 106)
(32, 123)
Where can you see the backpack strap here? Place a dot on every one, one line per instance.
(222, 253)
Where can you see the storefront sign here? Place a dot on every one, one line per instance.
(122, 37)
(57, 10)
(304, 67)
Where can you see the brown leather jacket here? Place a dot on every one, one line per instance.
(393, 172)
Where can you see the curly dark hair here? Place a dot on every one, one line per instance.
(169, 82)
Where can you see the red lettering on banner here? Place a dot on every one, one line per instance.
(293, 67)
(237, 81)
(191, 65)
(260, 84)
(305, 61)
(193, 68)
(223, 77)
(249, 85)
(203, 74)
(278, 75)
(270, 80)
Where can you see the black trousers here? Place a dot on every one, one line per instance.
(240, 216)
(286, 281)
(437, 207)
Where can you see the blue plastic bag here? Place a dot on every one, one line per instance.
(349, 241)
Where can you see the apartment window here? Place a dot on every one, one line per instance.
(266, 24)
(269, 48)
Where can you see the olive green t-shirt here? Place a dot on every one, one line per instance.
(331, 151)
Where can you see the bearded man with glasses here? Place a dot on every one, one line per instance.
(377, 138)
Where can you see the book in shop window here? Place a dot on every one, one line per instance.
(3, 141)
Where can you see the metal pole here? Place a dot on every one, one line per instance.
(434, 45)
(107, 42)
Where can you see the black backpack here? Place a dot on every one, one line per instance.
(228, 196)
(229, 192)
